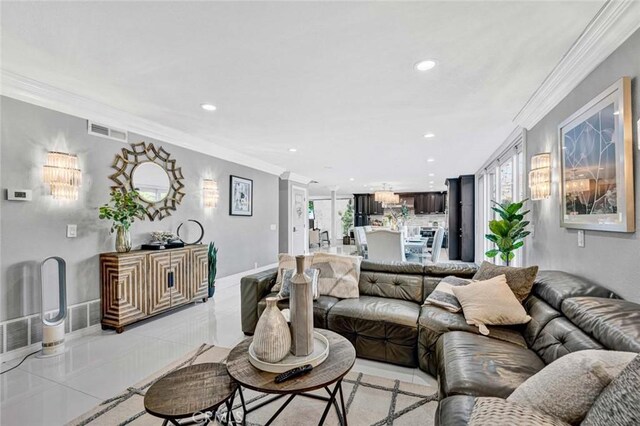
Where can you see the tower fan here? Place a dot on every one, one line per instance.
(53, 328)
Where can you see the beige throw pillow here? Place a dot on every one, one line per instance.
(490, 302)
(520, 280)
(339, 275)
(568, 387)
(288, 261)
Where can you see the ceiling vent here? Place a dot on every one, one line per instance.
(107, 132)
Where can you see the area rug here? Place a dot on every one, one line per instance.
(370, 400)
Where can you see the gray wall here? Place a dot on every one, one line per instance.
(31, 231)
(610, 259)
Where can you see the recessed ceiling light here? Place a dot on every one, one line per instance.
(428, 135)
(430, 160)
(425, 65)
(616, 113)
(351, 179)
(431, 174)
(208, 107)
(430, 181)
(292, 149)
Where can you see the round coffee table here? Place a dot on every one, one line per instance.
(342, 356)
(190, 392)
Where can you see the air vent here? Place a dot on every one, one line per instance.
(107, 132)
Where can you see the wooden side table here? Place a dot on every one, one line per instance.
(188, 392)
(342, 356)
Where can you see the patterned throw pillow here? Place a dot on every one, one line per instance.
(520, 280)
(489, 411)
(619, 403)
(285, 288)
(490, 302)
(569, 386)
(288, 261)
(443, 296)
(339, 275)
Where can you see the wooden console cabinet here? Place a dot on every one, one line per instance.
(143, 283)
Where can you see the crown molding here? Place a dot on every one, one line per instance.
(294, 177)
(612, 25)
(35, 92)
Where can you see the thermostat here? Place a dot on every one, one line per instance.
(19, 194)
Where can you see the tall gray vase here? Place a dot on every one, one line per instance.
(272, 338)
(301, 305)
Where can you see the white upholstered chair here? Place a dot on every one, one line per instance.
(385, 246)
(436, 247)
(361, 240)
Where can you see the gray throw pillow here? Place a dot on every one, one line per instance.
(619, 403)
(490, 411)
(287, 274)
(568, 387)
(519, 280)
(443, 296)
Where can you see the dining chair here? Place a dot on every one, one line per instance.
(385, 246)
(436, 247)
(361, 240)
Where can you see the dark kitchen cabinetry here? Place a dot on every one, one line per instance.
(462, 218)
(364, 206)
(429, 202)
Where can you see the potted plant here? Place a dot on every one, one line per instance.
(212, 255)
(347, 223)
(508, 232)
(123, 210)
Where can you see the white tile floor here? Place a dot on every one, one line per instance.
(97, 366)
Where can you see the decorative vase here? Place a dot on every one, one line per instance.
(301, 304)
(272, 338)
(123, 240)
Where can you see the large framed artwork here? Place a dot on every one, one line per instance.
(241, 199)
(596, 167)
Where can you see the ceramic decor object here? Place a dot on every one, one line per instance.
(272, 338)
(301, 305)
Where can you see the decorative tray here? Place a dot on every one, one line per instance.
(319, 354)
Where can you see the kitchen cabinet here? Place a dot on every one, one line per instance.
(461, 201)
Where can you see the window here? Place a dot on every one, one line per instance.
(503, 180)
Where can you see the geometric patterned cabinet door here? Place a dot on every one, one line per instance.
(200, 262)
(140, 284)
(159, 267)
(123, 289)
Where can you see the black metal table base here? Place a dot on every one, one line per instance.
(206, 417)
(331, 400)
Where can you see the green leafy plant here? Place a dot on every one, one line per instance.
(212, 255)
(347, 218)
(123, 210)
(508, 232)
(404, 211)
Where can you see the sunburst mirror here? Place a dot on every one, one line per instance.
(153, 173)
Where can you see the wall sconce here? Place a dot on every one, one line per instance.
(540, 176)
(62, 174)
(209, 192)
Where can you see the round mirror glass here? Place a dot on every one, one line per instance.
(151, 181)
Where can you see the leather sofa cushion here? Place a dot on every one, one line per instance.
(458, 269)
(435, 321)
(541, 313)
(471, 364)
(394, 286)
(392, 267)
(560, 337)
(455, 410)
(555, 286)
(321, 307)
(613, 322)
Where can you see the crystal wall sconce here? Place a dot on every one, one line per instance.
(210, 193)
(540, 176)
(63, 176)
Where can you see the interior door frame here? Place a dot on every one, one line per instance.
(306, 221)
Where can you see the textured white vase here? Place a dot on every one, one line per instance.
(272, 338)
(301, 304)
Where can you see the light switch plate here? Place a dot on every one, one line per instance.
(580, 238)
(72, 231)
(19, 195)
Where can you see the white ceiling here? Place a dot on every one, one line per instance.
(333, 79)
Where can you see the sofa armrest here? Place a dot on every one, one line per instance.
(252, 289)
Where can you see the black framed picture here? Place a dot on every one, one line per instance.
(241, 196)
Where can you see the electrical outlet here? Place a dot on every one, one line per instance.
(72, 231)
(580, 238)
(255, 265)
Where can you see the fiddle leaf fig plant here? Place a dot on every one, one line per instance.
(508, 232)
(123, 209)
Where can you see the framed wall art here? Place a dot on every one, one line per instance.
(241, 196)
(596, 167)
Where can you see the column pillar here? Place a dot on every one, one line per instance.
(334, 217)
